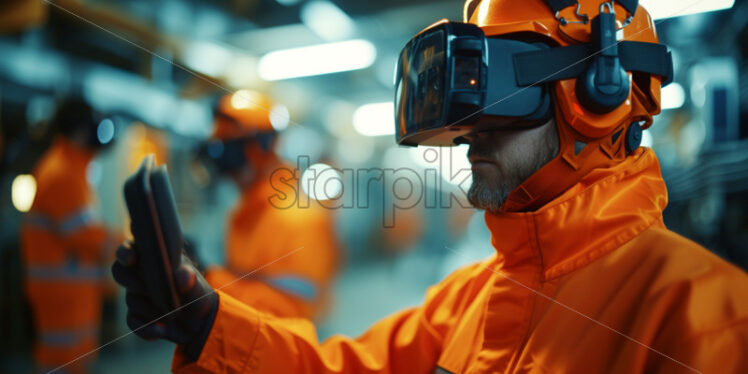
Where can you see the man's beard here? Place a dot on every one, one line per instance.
(490, 194)
(487, 194)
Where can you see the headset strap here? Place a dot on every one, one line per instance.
(629, 5)
(557, 5)
(658, 61)
(554, 64)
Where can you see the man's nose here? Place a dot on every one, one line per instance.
(475, 137)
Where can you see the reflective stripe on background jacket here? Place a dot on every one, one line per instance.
(619, 280)
(63, 248)
(288, 250)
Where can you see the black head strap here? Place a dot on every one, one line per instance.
(557, 5)
(553, 64)
(629, 5)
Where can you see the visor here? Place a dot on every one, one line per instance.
(450, 76)
(228, 156)
(225, 156)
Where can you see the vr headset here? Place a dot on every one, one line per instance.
(228, 156)
(452, 80)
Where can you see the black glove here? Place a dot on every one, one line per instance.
(189, 325)
(190, 249)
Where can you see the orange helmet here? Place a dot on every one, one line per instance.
(589, 138)
(242, 114)
(244, 118)
(567, 27)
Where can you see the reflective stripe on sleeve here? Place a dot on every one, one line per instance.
(67, 337)
(66, 226)
(70, 271)
(40, 221)
(76, 221)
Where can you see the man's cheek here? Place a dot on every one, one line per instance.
(485, 173)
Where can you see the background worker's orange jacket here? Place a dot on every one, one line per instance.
(287, 251)
(591, 283)
(65, 251)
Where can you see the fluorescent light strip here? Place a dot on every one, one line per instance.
(208, 58)
(317, 60)
(375, 119)
(327, 20)
(660, 9)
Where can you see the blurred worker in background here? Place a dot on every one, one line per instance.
(64, 246)
(585, 279)
(242, 148)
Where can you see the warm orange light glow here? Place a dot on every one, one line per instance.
(473, 82)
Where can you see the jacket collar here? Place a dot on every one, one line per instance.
(602, 211)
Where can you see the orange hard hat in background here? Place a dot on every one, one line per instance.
(243, 113)
(245, 128)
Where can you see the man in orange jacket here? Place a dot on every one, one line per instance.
(64, 246)
(242, 147)
(585, 279)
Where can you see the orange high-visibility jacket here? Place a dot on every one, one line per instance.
(65, 251)
(592, 282)
(287, 251)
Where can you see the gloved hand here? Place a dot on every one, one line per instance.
(187, 326)
(190, 249)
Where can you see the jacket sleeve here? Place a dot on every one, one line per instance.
(243, 340)
(718, 351)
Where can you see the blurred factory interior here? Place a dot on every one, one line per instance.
(159, 67)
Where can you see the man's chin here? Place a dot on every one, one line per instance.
(485, 197)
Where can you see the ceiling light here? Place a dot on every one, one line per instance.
(317, 60)
(660, 9)
(375, 119)
(327, 20)
(672, 96)
(322, 182)
(208, 58)
(23, 190)
(279, 117)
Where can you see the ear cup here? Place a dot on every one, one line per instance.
(633, 137)
(604, 86)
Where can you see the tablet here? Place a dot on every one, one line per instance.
(154, 224)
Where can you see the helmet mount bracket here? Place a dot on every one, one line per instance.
(605, 85)
(583, 18)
